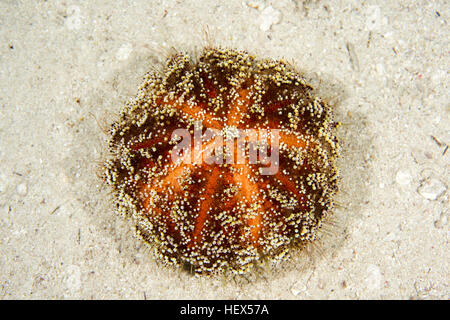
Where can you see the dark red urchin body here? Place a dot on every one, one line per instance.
(218, 217)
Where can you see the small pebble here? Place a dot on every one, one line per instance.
(269, 16)
(431, 188)
(73, 278)
(379, 67)
(442, 221)
(74, 19)
(420, 157)
(22, 189)
(374, 19)
(374, 277)
(124, 52)
(403, 178)
(298, 288)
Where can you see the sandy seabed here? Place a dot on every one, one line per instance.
(66, 68)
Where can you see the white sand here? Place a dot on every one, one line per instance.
(64, 64)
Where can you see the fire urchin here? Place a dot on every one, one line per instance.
(223, 217)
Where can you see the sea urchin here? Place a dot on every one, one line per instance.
(224, 214)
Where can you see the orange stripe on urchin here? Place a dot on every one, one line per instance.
(221, 216)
